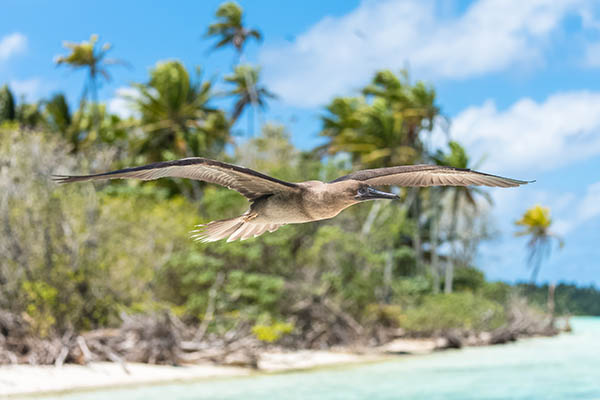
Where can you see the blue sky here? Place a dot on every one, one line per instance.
(519, 80)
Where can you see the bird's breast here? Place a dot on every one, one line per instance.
(295, 209)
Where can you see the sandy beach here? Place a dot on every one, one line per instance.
(23, 380)
(19, 380)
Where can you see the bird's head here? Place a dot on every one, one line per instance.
(365, 192)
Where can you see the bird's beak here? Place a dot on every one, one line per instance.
(373, 194)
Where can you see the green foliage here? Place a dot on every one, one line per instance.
(468, 278)
(463, 311)
(230, 29)
(175, 115)
(381, 128)
(246, 91)
(70, 257)
(73, 257)
(499, 292)
(260, 291)
(536, 223)
(409, 291)
(41, 304)
(462, 200)
(7, 105)
(58, 114)
(29, 115)
(272, 332)
(91, 56)
(569, 299)
(388, 315)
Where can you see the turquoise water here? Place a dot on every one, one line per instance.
(564, 367)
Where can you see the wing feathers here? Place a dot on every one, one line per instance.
(429, 175)
(249, 183)
(231, 229)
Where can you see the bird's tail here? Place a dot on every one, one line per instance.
(236, 228)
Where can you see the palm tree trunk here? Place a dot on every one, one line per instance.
(417, 244)
(450, 263)
(253, 96)
(449, 276)
(371, 217)
(94, 96)
(435, 272)
(387, 278)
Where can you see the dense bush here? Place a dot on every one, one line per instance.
(462, 310)
(568, 298)
(71, 257)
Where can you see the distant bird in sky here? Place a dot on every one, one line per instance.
(274, 203)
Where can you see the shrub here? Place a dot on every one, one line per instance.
(272, 332)
(462, 310)
(468, 278)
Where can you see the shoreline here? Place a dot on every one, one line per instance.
(16, 381)
(26, 381)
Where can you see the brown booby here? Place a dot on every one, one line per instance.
(275, 202)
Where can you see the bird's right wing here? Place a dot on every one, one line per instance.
(429, 175)
(250, 183)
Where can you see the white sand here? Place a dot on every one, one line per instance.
(413, 346)
(27, 379)
(306, 359)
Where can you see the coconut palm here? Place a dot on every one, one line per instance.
(230, 29)
(175, 115)
(415, 103)
(536, 224)
(89, 55)
(383, 128)
(460, 196)
(247, 92)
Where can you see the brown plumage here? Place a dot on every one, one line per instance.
(275, 202)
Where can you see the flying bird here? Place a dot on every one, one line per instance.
(274, 203)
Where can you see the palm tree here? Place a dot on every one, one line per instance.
(415, 103)
(90, 56)
(536, 223)
(175, 115)
(230, 29)
(247, 92)
(383, 128)
(460, 196)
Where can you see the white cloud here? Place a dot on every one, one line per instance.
(589, 207)
(530, 136)
(12, 44)
(120, 104)
(579, 211)
(592, 55)
(568, 210)
(338, 54)
(28, 88)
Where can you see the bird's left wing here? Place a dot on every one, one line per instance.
(250, 183)
(429, 175)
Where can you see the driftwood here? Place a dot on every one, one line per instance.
(155, 339)
(161, 338)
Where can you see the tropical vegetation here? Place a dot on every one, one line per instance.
(76, 258)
